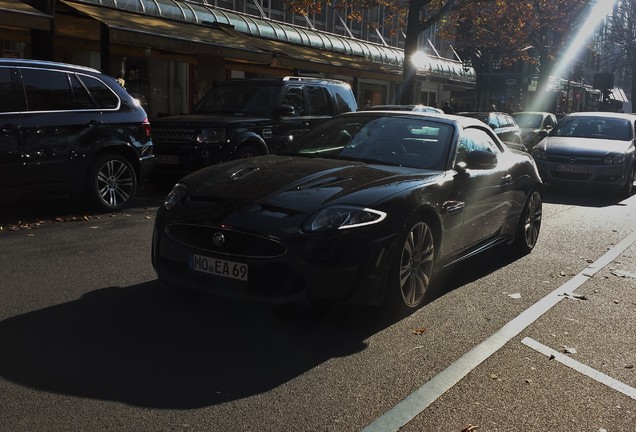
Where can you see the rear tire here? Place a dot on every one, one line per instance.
(529, 224)
(412, 268)
(111, 183)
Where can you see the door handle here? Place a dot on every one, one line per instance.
(506, 179)
(452, 207)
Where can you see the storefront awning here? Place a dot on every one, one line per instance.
(14, 13)
(148, 31)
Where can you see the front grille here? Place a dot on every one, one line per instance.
(236, 243)
(172, 134)
(578, 160)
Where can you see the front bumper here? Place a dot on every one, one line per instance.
(341, 267)
(561, 173)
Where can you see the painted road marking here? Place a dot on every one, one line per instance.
(420, 399)
(580, 367)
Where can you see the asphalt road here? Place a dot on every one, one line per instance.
(90, 341)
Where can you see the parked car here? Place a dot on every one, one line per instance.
(589, 148)
(416, 108)
(72, 130)
(503, 124)
(532, 123)
(364, 208)
(245, 117)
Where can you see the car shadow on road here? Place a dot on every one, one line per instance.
(153, 346)
(147, 345)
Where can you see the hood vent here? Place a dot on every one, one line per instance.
(243, 172)
(322, 182)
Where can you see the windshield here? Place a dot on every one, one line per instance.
(392, 140)
(240, 98)
(531, 121)
(594, 127)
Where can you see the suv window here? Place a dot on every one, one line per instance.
(47, 90)
(103, 95)
(294, 97)
(10, 102)
(81, 97)
(344, 98)
(317, 100)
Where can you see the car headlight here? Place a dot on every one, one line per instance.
(211, 135)
(175, 196)
(539, 154)
(342, 217)
(614, 159)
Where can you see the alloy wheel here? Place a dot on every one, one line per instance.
(115, 183)
(416, 264)
(532, 223)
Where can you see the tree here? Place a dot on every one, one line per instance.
(505, 31)
(621, 41)
(415, 18)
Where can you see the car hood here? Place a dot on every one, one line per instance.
(589, 146)
(302, 184)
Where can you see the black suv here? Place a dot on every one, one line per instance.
(72, 130)
(244, 117)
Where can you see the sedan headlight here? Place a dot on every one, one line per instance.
(175, 196)
(614, 159)
(539, 154)
(211, 135)
(342, 217)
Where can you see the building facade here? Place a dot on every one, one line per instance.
(171, 52)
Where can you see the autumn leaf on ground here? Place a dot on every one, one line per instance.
(419, 331)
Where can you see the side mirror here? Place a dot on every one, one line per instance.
(285, 111)
(544, 133)
(481, 159)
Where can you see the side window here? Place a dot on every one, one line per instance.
(104, 96)
(81, 97)
(317, 101)
(345, 101)
(475, 139)
(294, 97)
(47, 90)
(8, 97)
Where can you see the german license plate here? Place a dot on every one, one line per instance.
(219, 267)
(579, 169)
(167, 159)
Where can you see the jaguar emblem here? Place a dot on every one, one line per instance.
(572, 159)
(218, 239)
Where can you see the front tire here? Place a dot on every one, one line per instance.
(628, 188)
(529, 224)
(111, 183)
(412, 268)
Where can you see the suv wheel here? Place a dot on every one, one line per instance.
(112, 182)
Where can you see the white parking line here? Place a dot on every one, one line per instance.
(580, 367)
(420, 399)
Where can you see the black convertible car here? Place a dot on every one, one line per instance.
(364, 208)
